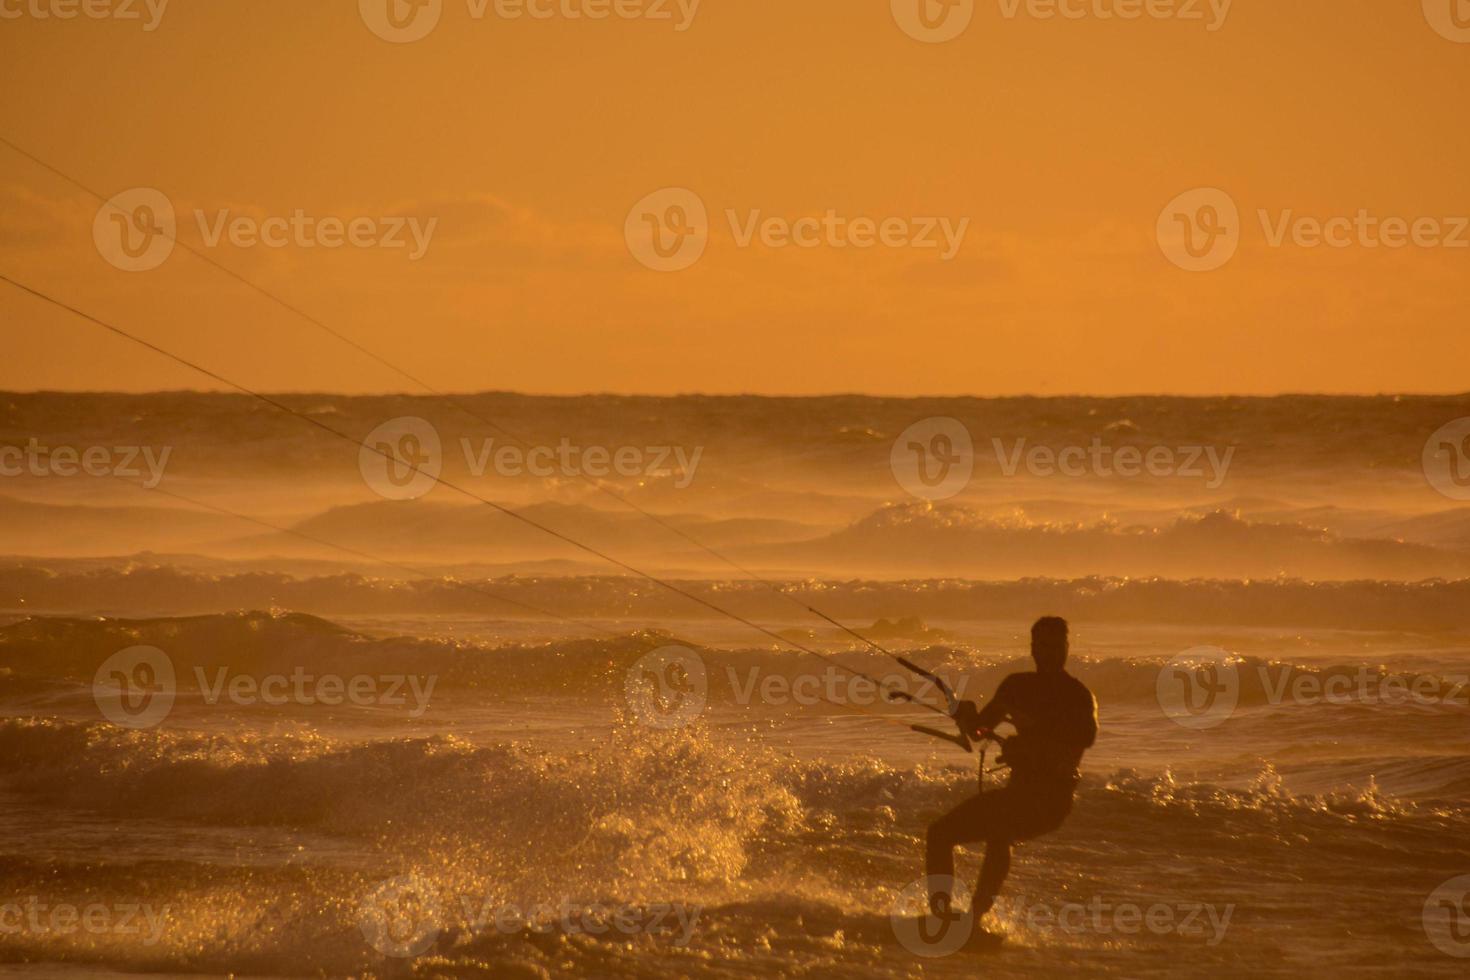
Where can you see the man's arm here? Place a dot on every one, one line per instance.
(1088, 728)
(973, 721)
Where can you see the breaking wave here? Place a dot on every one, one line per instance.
(1360, 604)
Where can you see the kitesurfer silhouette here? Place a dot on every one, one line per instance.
(1055, 717)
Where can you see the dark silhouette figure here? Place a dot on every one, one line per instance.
(1055, 717)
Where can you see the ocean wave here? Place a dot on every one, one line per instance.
(725, 790)
(950, 539)
(1430, 605)
(47, 666)
(1283, 434)
(38, 650)
(795, 860)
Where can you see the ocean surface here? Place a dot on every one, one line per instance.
(229, 748)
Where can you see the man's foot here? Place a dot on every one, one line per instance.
(982, 940)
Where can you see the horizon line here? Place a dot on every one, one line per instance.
(782, 396)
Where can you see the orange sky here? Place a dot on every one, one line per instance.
(1058, 140)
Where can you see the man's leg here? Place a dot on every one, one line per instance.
(992, 875)
(1027, 815)
(973, 820)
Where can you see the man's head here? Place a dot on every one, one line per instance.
(1049, 643)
